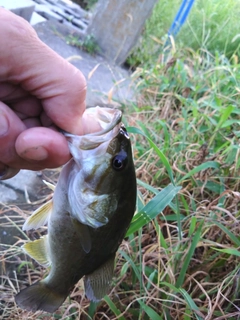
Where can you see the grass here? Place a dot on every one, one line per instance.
(87, 44)
(211, 25)
(189, 106)
(181, 256)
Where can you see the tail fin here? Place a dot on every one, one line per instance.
(39, 297)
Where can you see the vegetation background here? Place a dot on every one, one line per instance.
(181, 257)
(211, 25)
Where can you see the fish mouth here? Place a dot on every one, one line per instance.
(109, 122)
(107, 119)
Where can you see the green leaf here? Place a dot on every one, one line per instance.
(201, 167)
(147, 186)
(149, 311)
(189, 255)
(153, 208)
(172, 217)
(140, 201)
(231, 251)
(192, 226)
(224, 116)
(190, 303)
(234, 239)
(92, 309)
(229, 123)
(131, 262)
(114, 309)
(156, 149)
(226, 113)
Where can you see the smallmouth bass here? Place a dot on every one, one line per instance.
(92, 207)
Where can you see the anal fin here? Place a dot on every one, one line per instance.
(37, 250)
(39, 217)
(97, 284)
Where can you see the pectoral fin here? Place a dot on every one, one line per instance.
(97, 284)
(39, 217)
(84, 234)
(38, 250)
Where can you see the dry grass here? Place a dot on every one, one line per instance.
(184, 264)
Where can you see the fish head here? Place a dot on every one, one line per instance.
(103, 165)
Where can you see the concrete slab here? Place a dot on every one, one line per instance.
(47, 13)
(13, 190)
(36, 18)
(23, 8)
(25, 179)
(104, 80)
(7, 195)
(65, 12)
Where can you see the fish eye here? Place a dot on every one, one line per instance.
(119, 162)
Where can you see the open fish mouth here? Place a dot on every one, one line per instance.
(109, 121)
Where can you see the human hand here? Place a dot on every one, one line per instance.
(39, 91)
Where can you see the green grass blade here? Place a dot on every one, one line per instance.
(192, 226)
(153, 208)
(187, 298)
(92, 309)
(163, 243)
(201, 167)
(140, 201)
(131, 262)
(147, 186)
(156, 149)
(225, 115)
(230, 251)
(149, 311)
(234, 239)
(190, 303)
(155, 191)
(189, 255)
(114, 309)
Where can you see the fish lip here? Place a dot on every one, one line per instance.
(123, 131)
(109, 121)
(116, 119)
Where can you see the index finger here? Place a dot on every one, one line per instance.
(27, 61)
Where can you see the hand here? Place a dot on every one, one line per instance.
(39, 92)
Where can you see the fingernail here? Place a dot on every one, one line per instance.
(36, 153)
(4, 125)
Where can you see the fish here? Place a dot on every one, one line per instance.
(92, 206)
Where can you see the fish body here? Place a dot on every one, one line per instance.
(92, 207)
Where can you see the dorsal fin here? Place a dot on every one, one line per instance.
(37, 250)
(97, 284)
(39, 217)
